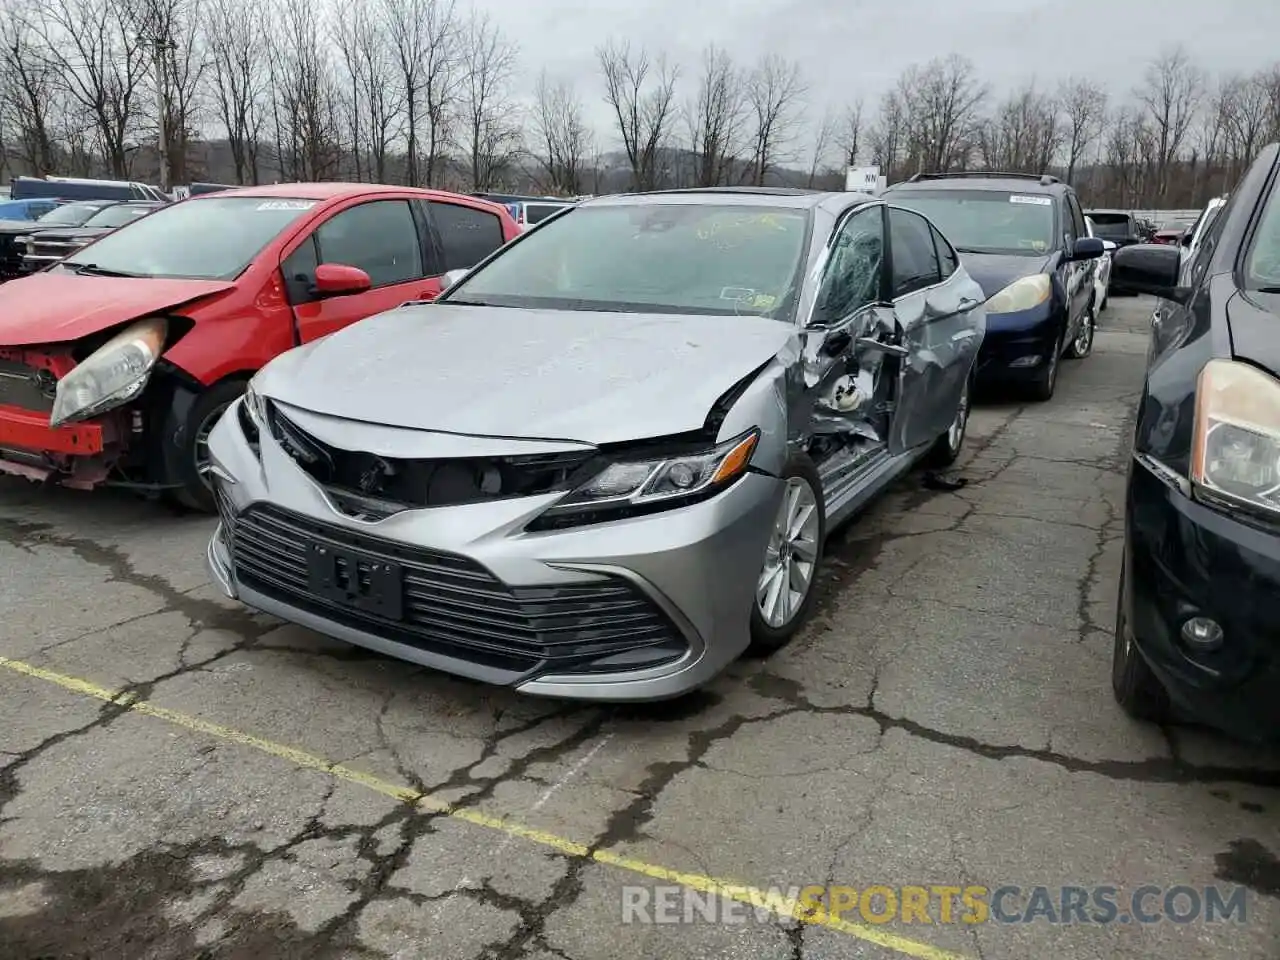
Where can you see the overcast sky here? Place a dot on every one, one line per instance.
(852, 48)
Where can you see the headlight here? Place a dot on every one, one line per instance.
(253, 416)
(1022, 294)
(631, 487)
(113, 374)
(1235, 452)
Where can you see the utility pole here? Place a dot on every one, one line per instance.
(160, 45)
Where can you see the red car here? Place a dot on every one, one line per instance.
(116, 362)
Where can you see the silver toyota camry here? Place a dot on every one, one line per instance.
(603, 464)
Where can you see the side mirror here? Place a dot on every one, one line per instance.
(1087, 248)
(1151, 268)
(339, 279)
(452, 278)
(1108, 245)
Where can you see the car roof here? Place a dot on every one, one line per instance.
(781, 197)
(995, 181)
(318, 191)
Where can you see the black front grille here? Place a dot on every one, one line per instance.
(26, 387)
(10, 256)
(455, 607)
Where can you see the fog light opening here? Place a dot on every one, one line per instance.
(1202, 633)
(1029, 361)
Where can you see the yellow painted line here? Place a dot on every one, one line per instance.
(743, 893)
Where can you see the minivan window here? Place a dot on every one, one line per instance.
(212, 238)
(987, 221)
(1262, 268)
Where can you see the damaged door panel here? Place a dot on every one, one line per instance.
(940, 325)
(848, 375)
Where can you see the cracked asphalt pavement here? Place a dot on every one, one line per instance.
(180, 777)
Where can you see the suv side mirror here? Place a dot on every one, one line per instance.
(1151, 268)
(1087, 248)
(340, 279)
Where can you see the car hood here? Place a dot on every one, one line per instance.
(533, 374)
(69, 233)
(995, 271)
(15, 227)
(59, 307)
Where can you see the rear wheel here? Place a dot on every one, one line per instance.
(1136, 687)
(785, 590)
(1082, 345)
(195, 492)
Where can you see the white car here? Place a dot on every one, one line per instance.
(1101, 269)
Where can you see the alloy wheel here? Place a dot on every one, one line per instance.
(1084, 337)
(791, 557)
(202, 442)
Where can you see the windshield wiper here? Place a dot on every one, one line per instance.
(1266, 289)
(97, 271)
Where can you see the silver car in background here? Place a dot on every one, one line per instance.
(604, 463)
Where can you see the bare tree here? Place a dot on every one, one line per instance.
(942, 111)
(308, 142)
(239, 86)
(95, 48)
(492, 131)
(425, 39)
(29, 93)
(1170, 93)
(641, 94)
(1084, 108)
(175, 26)
(852, 134)
(889, 133)
(774, 93)
(1247, 116)
(1022, 135)
(715, 119)
(563, 142)
(824, 135)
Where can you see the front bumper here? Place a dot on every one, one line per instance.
(642, 609)
(1185, 559)
(1018, 346)
(77, 453)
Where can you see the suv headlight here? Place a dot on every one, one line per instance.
(1235, 450)
(1022, 294)
(113, 374)
(635, 487)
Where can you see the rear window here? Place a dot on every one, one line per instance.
(537, 212)
(1111, 226)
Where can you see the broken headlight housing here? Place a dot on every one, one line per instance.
(1235, 449)
(635, 487)
(1023, 294)
(112, 375)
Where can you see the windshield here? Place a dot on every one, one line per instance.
(693, 258)
(1112, 226)
(1262, 269)
(211, 238)
(986, 221)
(116, 216)
(70, 214)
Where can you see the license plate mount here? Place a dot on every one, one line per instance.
(356, 580)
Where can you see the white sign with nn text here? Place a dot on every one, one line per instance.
(862, 179)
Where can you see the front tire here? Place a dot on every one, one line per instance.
(789, 572)
(1042, 388)
(1136, 687)
(195, 492)
(1082, 345)
(946, 449)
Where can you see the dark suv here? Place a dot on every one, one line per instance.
(1119, 226)
(1023, 238)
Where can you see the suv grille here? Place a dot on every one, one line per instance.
(454, 607)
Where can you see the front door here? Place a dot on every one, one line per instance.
(939, 328)
(384, 239)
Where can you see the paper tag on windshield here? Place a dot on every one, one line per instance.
(286, 205)
(1039, 201)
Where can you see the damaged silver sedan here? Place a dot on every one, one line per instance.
(603, 464)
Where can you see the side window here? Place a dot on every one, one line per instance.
(299, 270)
(41, 208)
(467, 235)
(855, 270)
(915, 262)
(1077, 228)
(948, 259)
(381, 238)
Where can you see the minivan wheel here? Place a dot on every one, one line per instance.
(1043, 387)
(195, 492)
(1082, 345)
(785, 589)
(1136, 687)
